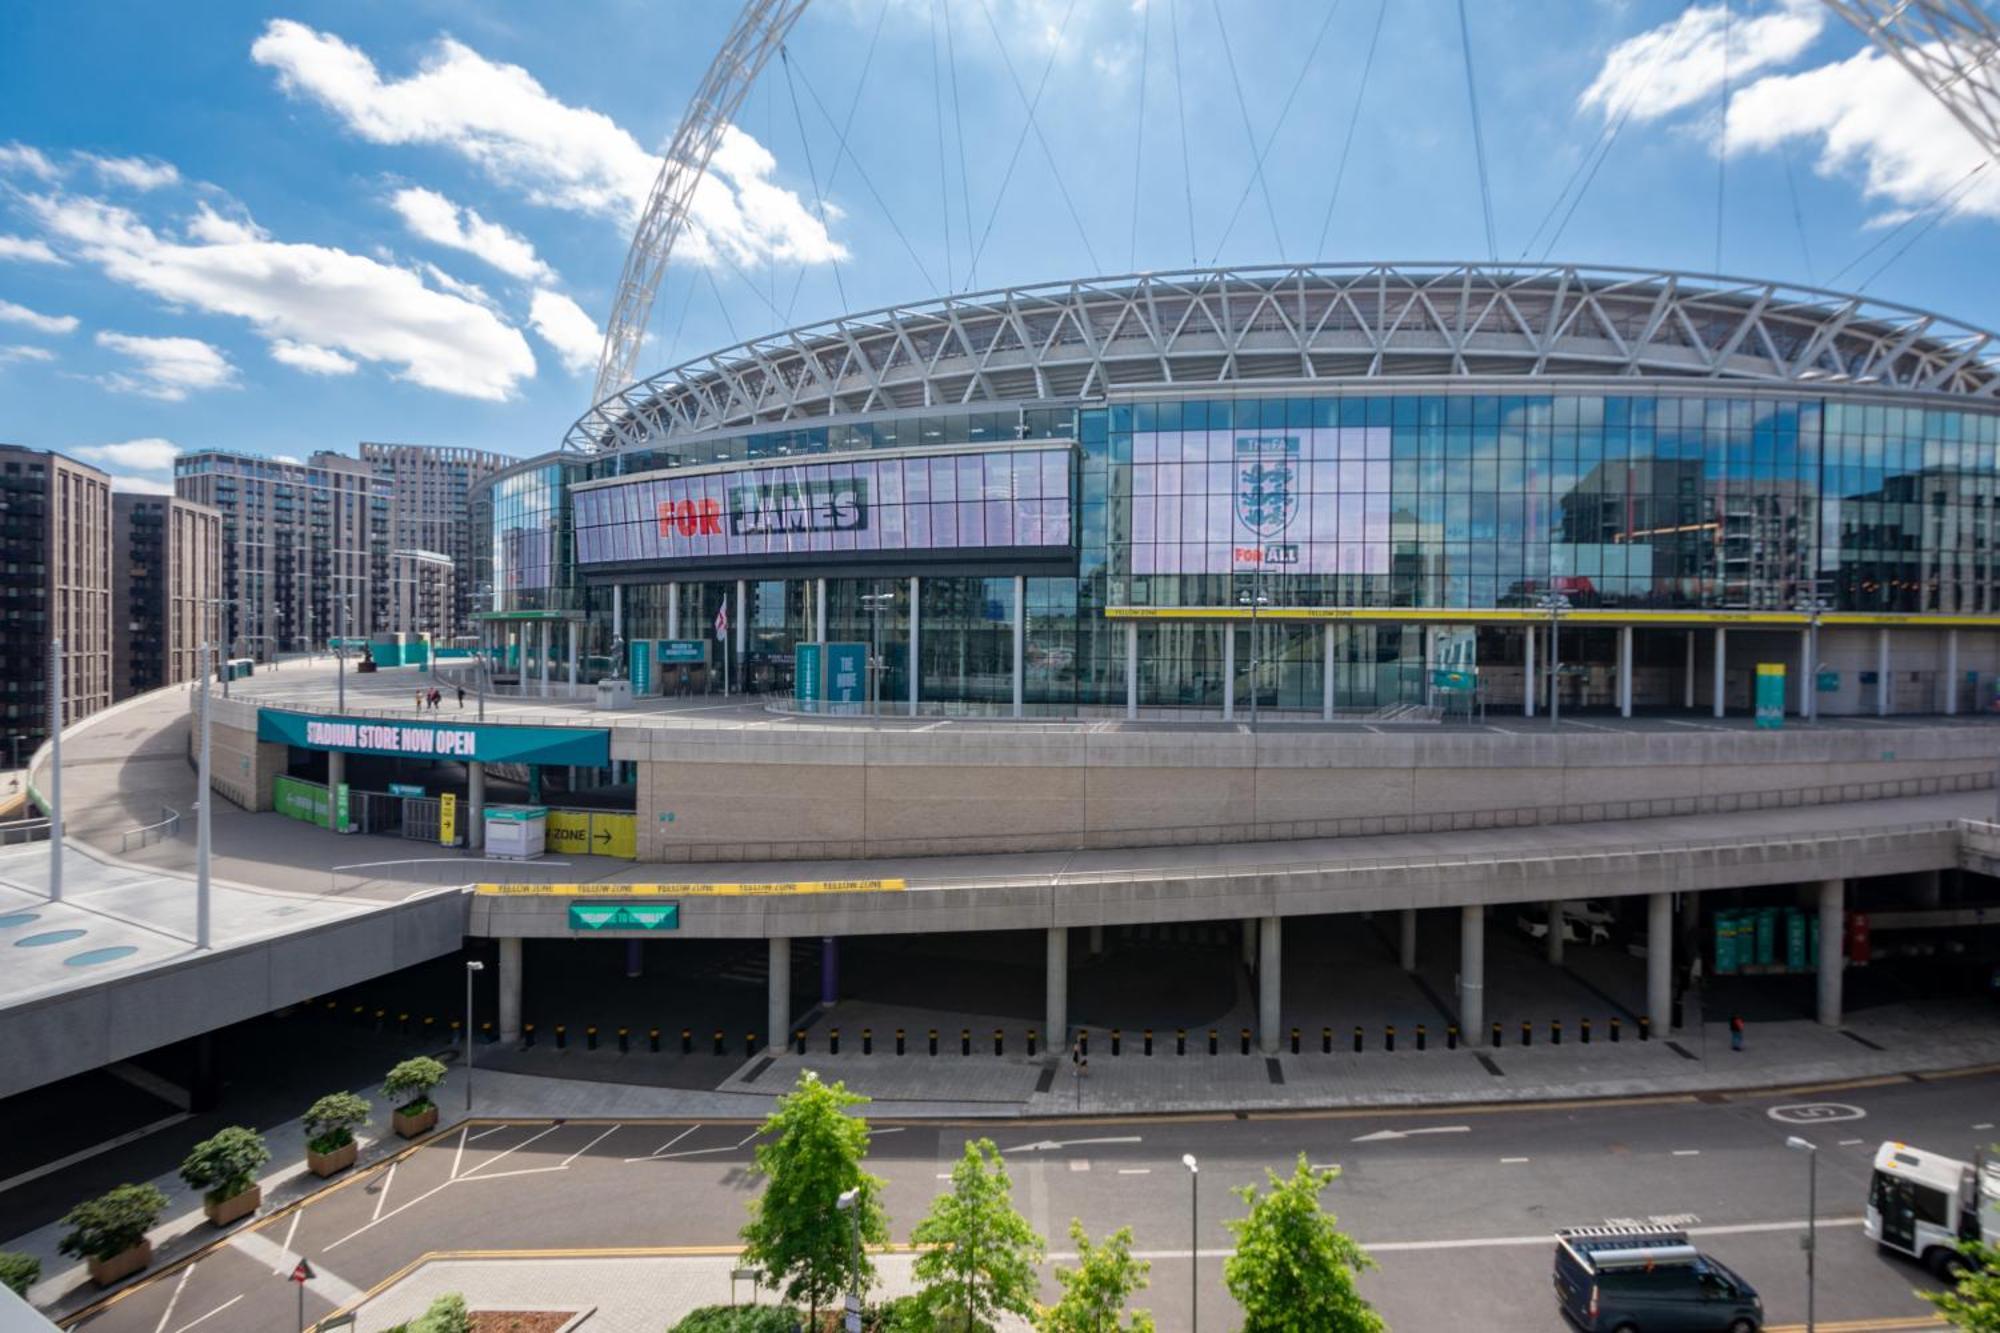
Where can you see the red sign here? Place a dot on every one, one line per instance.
(690, 518)
(1857, 937)
(303, 1273)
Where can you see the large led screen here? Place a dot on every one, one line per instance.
(955, 504)
(1298, 501)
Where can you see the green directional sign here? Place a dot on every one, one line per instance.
(624, 916)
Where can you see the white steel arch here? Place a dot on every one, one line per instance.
(1951, 47)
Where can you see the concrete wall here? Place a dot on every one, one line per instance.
(241, 767)
(831, 792)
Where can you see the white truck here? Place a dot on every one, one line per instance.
(1924, 1204)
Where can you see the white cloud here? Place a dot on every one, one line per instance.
(20, 158)
(29, 250)
(436, 218)
(168, 368)
(564, 326)
(151, 454)
(315, 295)
(141, 485)
(501, 119)
(471, 291)
(311, 359)
(23, 352)
(20, 314)
(287, 458)
(134, 173)
(1681, 63)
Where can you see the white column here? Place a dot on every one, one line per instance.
(778, 994)
(1624, 671)
(1721, 666)
(673, 610)
(1328, 684)
(542, 651)
(819, 610)
(1057, 1009)
(1270, 932)
(1472, 972)
(1806, 700)
(1131, 669)
(1228, 670)
(1553, 943)
(915, 671)
(1882, 672)
(336, 774)
(1951, 672)
(1020, 643)
(55, 676)
(618, 613)
(1407, 954)
(1832, 948)
(510, 988)
(1660, 961)
(742, 624)
(1528, 672)
(572, 659)
(1687, 676)
(475, 806)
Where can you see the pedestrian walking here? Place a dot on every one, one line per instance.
(420, 701)
(1736, 1032)
(461, 698)
(437, 697)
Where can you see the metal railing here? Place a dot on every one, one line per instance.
(168, 826)
(785, 704)
(437, 870)
(17, 831)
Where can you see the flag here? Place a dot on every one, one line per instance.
(722, 621)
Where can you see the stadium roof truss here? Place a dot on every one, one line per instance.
(1300, 324)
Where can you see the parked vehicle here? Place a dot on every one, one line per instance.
(1575, 931)
(1646, 1280)
(1923, 1204)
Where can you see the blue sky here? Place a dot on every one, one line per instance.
(292, 229)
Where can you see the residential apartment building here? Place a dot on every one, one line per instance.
(166, 562)
(430, 489)
(424, 597)
(55, 582)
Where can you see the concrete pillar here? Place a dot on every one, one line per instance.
(1882, 672)
(1131, 669)
(1832, 948)
(915, 671)
(1328, 685)
(829, 970)
(1057, 1010)
(1624, 671)
(1528, 671)
(572, 659)
(1806, 700)
(1554, 941)
(336, 774)
(475, 806)
(1472, 972)
(617, 612)
(1407, 953)
(1718, 687)
(1249, 942)
(1950, 672)
(673, 610)
(1687, 676)
(1096, 940)
(1930, 888)
(635, 958)
(1020, 644)
(819, 610)
(1228, 671)
(778, 993)
(510, 988)
(542, 652)
(1660, 960)
(1270, 935)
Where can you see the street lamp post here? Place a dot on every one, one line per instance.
(473, 967)
(848, 1203)
(203, 791)
(1253, 600)
(1555, 604)
(1194, 1240)
(877, 603)
(1811, 1150)
(340, 652)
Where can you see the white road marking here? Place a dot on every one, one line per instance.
(1324, 1166)
(505, 1152)
(944, 1175)
(459, 1156)
(1499, 1242)
(1386, 1135)
(1687, 1152)
(391, 1213)
(174, 1299)
(1512, 1161)
(1079, 1164)
(484, 1132)
(592, 1144)
(502, 1175)
(1050, 1145)
(664, 1146)
(1135, 1170)
(1984, 1124)
(330, 1286)
(290, 1231)
(747, 1137)
(382, 1194)
(1849, 1143)
(211, 1314)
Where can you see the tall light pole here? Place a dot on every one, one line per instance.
(340, 652)
(55, 674)
(1194, 1240)
(1253, 600)
(1555, 604)
(1811, 1150)
(848, 1203)
(877, 603)
(473, 967)
(203, 793)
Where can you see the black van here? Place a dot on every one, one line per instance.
(1648, 1280)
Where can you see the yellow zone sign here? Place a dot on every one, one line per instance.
(591, 833)
(609, 890)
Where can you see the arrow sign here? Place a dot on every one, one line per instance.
(303, 1273)
(1384, 1135)
(1051, 1145)
(604, 835)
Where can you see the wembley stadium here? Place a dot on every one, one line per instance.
(1299, 492)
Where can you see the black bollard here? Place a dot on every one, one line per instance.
(1149, 1041)
(933, 1041)
(1527, 1033)
(1295, 1041)
(965, 1041)
(1117, 1040)
(1583, 1032)
(868, 1041)
(1645, 1027)
(1499, 1035)
(527, 1034)
(653, 1040)
(1555, 1032)
(1032, 1034)
(1246, 1040)
(624, 1040)
(999, 1042)
(687, 1041)
(590, 1037)
(1420, 1036)
(1180, 1041)
(1389, 1038)
(719, 1048)
(1357, 1039)
(562, 1037)
(833, 1041)
(1326, 1041)
(1211, 1041)
(1451, 1036)
(899, 1041)
(799, 1039)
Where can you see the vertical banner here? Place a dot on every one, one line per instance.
(1771, 695)
(846, 677)
(641, 674)
(340, 809)
(448, 819)
(808, 681)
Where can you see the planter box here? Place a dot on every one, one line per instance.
(324, 1164)
(409, 1126)
(118, 1267)
(237, 1206)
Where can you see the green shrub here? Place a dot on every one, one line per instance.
(446, 1315)
(18, 1272)
(112, 1223)
(410, 1083)
(331, 1121)
(225, 1165)
(739, 1319)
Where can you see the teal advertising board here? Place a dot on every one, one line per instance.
(641, 674)
(1771, 695)
(583, 746)
(624, 916)
(808, 681)
(1827, 681)
(683, 652)
(1452, 681)
(305, 801)
(846, 676)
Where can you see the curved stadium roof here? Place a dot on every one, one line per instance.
(1299, 324)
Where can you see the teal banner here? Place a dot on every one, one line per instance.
(808, 682)
(683, 652)
(642, 666)
(1771, 695)
(582, 746)
(846, 676)
(624, 916)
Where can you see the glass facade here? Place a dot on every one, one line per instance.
(1657, 500)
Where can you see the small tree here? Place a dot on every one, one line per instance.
(1096, 1291)
(107, 1226)
(409, 1084)
(1973, 1303)
(18, 1272)
(225, 1165)
(984, 1254)
(797, 1233)
(1293, 1269)
(331, 1121)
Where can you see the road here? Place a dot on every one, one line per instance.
(1457, 1206)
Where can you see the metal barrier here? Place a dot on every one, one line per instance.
(169, 826)
(16, 832)
(434, 870)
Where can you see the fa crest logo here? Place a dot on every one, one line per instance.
(1267, 482)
